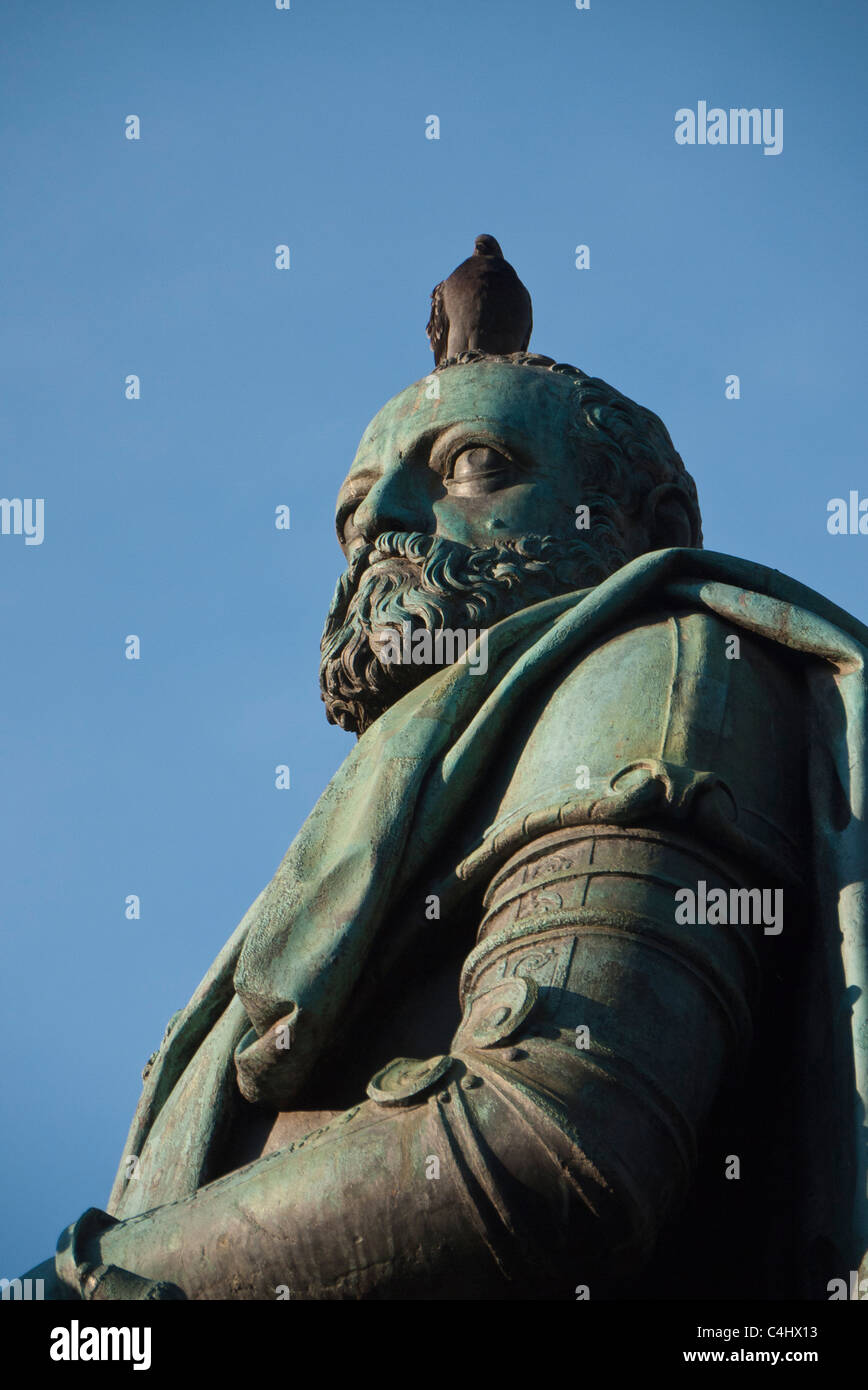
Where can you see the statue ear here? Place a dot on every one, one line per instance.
(669, 520)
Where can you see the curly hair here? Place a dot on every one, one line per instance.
(636, 460)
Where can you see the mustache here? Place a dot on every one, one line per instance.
(442, 569)
(434, 583)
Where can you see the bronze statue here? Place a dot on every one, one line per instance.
(561, 986)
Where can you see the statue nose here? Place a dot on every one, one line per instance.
(392, 504)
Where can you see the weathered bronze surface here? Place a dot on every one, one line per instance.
(465, 1045)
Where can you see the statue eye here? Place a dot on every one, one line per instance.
(477, 464)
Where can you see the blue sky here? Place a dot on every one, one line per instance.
(156, 257)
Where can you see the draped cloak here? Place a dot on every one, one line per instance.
(391, 809)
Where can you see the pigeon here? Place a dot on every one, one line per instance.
(482, 305)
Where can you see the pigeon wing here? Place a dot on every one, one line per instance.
(524, 345)
(438, 324)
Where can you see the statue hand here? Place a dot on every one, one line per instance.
(80, 1274)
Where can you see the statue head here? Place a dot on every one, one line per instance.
(490, 485)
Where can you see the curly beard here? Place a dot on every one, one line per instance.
(435, 584)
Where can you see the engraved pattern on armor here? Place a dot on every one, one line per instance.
(538, 900)
(548, 864)
(539, 964)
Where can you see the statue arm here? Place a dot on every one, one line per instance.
(532, 1156)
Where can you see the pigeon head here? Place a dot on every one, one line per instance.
(486, 245)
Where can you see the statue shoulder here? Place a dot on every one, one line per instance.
(680, 690)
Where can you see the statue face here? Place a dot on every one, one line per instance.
(492, 459)
(457, 511)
